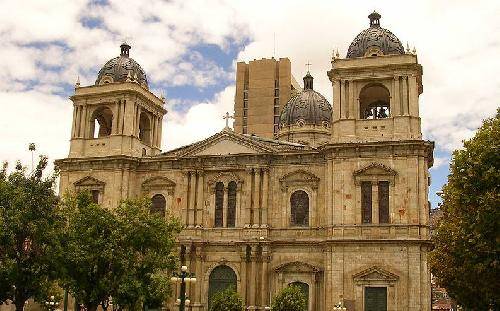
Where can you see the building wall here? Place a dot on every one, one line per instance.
(264, 81)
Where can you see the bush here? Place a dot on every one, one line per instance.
(226, 300)
(290, 298)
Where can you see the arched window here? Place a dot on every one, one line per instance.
(219, 204)
(304, 288)
(231, 204)
(102, 122)
(222, 277)
(145, 128)
(299, 202)
(158, 205)
(374, 102)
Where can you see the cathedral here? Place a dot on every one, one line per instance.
(332, 198)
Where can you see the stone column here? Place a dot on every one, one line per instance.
(257, 199)
(199, 274)
(395, 98)
(247, 201)
(160, 132)
(265, 197)
(254, 275)
(244, 268)
(350, 112)
(343, 97)
(312, 302)
(336, 99)
(137, 120)
(200, 199)
(83, 121)
(191, 199)
(73, 124)
(413, 95)
(264, 291)
(404, 81)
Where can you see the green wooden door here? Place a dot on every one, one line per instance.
(222, 277)
(375, 298)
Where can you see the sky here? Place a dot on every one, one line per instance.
(189, 50)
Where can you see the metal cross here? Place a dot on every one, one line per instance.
(227, 117)
(308, 66)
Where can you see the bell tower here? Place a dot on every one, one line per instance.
(376, 89)
(118, 115)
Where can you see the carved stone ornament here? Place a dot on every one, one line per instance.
(374, 172)
(89, 183)
(299, 178)
(375, 275)
(158, 183)
(297, 266)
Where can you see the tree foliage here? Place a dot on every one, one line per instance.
(124, 253)
(290, 298)
(466, 256)
(29, 224)
(226, 300)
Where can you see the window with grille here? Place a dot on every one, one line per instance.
(299, 202)
(231, 204)
(383, 201)
(158, 205)
(366, 202)
(219, 204)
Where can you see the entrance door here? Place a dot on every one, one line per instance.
(222, 277)
(304, 288)
(375, 298)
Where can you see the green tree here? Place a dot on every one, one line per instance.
(226, 300)
(28, 231)
(290, 298)
(465, 259)
(125, 253)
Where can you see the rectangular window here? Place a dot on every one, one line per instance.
(276, 110)
(276, 101)
(95, 196)
(245, 95)
(245, 103)
(375, 298)
(366, 202)
(276, 128)
(276, 92)
(245, 112)
(276, 120)
(245, 131)
(383, 202)
(276, 84)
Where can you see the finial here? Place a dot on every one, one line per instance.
(407, 48)
(129, 77)
(337, 53)
(308, 64)
(227, 117)
(414, 50)
(162, 97)
(77, 84)
(125, 48)
(374, 19)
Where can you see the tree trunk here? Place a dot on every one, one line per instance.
(19, 304)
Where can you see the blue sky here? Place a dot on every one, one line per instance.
(189, 50)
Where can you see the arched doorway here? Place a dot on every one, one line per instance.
(304, 287)
(222, 277)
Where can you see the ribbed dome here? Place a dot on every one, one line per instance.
(308, 107)
(375, 38)
(122, 69)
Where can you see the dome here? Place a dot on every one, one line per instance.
(375, 41)
(122, 69)
(308, 107)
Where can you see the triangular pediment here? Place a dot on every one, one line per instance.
(299, 175)
(297, 266)
(375, 169)
(89, 181)
(375, 274)
(223, 143)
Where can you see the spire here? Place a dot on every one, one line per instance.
(308, 81)
(374, 19)
(125, 48)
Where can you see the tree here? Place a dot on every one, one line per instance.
(465, 259)
(28, 229)
(226, 300)
(290, 298)
(125, 253)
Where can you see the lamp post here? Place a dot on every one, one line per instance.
(340, 305)
(183, 278)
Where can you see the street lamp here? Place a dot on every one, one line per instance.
(51, 303)
(340, 305)
(184, 278)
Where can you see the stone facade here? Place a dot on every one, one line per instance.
(335, 240)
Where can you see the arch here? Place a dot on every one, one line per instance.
(159, 205)
(231, 204)
(219, 204)
(101, 122)
(221, 278)
(304, 288)
(145, 128)
(374, 102)
(299, 204)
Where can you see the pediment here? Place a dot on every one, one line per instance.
(224, 143)
(375, 169)
(299, 177)
(89, 181)
(297, 266)
(157, 183)
(375, 274)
